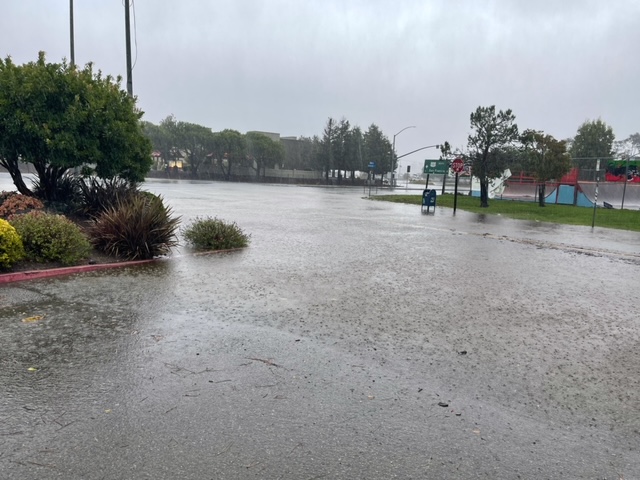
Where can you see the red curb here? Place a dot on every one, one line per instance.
(54, 272)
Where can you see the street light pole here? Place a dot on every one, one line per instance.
(71, 42)
(127, 28)
(393, 154)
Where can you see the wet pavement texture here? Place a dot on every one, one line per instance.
(352, 339)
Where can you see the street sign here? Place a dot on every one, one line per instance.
(439, 167)
(457, 165)
(372, 165)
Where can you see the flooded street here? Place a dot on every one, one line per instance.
(352, 339)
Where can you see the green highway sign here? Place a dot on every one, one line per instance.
(439, 167)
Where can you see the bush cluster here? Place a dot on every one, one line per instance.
(97, 195)
(214, 234)
(11, 249)
(137, 228)
(12, 203)
(125, 222)
(51, 238)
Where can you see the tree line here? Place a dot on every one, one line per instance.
(496, 144)
(339, 152)
(59, 118)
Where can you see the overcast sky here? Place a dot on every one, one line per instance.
(287, 65)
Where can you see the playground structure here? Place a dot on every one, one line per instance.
(496, 185)
(578, 187)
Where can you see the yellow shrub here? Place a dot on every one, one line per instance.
(11, 249)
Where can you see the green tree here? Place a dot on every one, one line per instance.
(196, 141)
(377, 149)
(263, 152)
(341, 147)
(549, 159)
(353, 148)
(325, 156)
(229, 149)
(492, 133)
(56, 117)
(594, 140)
(163, 138)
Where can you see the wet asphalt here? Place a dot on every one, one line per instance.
(353, 339)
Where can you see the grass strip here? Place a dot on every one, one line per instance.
(552, 213)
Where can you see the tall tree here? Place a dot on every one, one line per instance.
(377, 149)
(56, 117)
(549, 159)
(594, 140)
(353, 149)
(326, 153)
(196, 141)
(229, 149)
(263, 152)
(492, 133)
(341, 147)
(163, 138)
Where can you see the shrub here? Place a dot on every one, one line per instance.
(98, 195)
(15, 203)
(214, 234)
(11, 249)
(51, 238)
(140, 227)
(63, 196)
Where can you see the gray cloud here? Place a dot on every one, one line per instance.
(286, 66)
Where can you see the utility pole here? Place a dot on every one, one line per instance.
(128, 47)
(73, 54)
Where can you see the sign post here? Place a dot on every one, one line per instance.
(438, 167)
(457, 166)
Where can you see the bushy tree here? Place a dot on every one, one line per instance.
(594, 140)
(493, 132)
(56, 117)
(548, 159)
(377, 149)
(229, 149)
(263, 152)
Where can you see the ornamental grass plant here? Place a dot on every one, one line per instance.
(137, 228)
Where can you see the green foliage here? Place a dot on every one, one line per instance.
(214, 234)
(51, 238)
(65, 198)
(11, 249)
(229, 149)
(12, 203)
(549, 159)
(493, 132)
(97, 195)
(56, 116)
(137, 228)
(378, 149)
(263, 151)
(593, 140)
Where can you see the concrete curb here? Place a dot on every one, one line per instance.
(55, 272)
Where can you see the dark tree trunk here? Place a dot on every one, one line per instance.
(484, 193)
(16, 176)
(541, 193)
